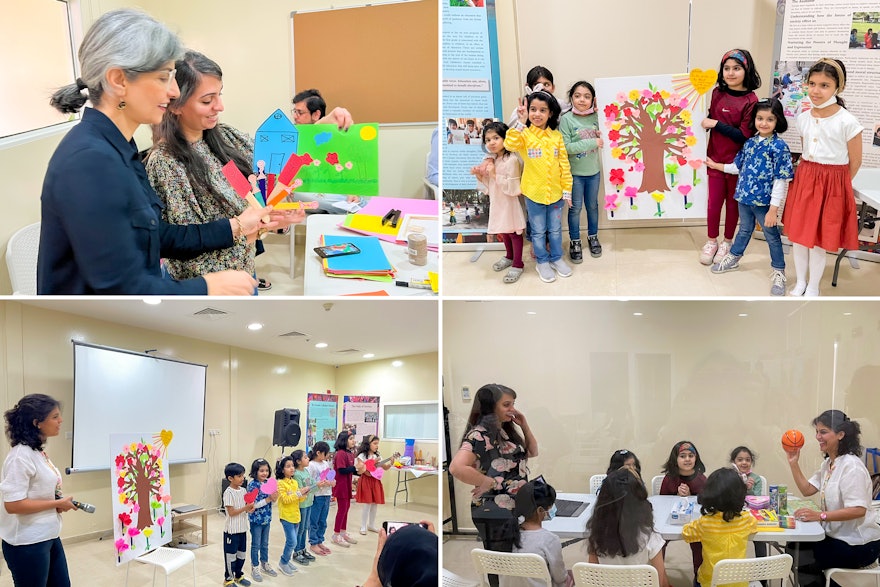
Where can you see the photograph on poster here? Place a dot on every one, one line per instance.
(863, 34)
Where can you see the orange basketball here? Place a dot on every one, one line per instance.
(792, 440)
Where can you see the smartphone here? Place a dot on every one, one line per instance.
(392, 527)
(337, 250)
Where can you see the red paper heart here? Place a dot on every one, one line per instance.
(370, 465)
(682, 161)
(251, 496)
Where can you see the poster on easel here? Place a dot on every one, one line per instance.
(471, 96)
(141, 493)
(360, 415)
(321, 412)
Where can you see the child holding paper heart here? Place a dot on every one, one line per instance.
(730, 111)
(322, 472)
(369, 489)
(261, 518)
(289, 497)
(236, 525)
(305, 481)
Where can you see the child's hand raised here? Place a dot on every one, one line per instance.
(522, 111)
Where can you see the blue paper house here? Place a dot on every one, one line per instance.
(276, 140)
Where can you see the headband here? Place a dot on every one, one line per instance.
(686, 447)
(545, 92)
(841, 78)
(735, 54)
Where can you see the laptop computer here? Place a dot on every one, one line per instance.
(185, 508)
(569, 509)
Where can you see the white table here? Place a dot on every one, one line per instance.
(316, 283)
(662, 504)
(866, 186)
(403, 479)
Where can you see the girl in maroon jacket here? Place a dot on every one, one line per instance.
(343, 463)
(729, 113)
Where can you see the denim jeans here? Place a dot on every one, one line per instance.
(259, 543)
(545, 221)
(747, 217)
(289, 540)
(584, 193)
(303, 528)
(318, 519)
(42, 563)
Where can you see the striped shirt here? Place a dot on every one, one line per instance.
(235, 498)
(720, 540)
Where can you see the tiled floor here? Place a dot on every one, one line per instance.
(652, 262)
(93, 562)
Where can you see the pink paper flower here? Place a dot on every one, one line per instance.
(639, 166)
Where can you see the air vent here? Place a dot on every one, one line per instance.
(293, 334)
(347, 351)
(210, 314)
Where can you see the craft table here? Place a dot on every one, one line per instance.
(316, 283)
(180, 526)
(662, 505)
(866, 187)
(402, 479)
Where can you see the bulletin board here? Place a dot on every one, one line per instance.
(379, 61)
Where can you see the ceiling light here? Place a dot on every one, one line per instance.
(532, 313)
(279, 370)
(637, 314)
(847, 313)
(321, 345)
(152, 301)
(369, 355)
(255, 326)
(743, 315)
(397, 363)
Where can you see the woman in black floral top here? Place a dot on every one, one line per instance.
(492, 458)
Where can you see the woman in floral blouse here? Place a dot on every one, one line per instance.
(493, 458)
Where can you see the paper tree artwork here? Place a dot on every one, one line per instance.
(655, 146)
(141, 493)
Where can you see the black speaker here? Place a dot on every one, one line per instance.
(287, 431)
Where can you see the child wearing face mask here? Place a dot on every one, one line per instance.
(536, 502)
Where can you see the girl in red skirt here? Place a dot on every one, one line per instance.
(343, 464)
(369, 489)
(820, 212)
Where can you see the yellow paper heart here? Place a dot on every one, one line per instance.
(166, 436)
(703, 80)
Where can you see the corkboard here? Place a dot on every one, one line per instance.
(378, 61)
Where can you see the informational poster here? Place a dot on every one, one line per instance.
(839, 29)
(141, 493)
(360, 415)
(321, 412)
(471, 97)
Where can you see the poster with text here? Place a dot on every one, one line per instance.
(653, 158)
(360, 415)
(141, 493)
(845, 30)
(321, 413)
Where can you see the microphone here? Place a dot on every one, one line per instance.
(86, 507)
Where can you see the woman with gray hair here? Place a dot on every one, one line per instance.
(102, 230)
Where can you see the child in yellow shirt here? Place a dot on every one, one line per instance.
(289, 498)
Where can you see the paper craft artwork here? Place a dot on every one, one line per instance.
(270, 486)
(343, 162)
(371, 263)
(275, 141)
(328, 475)
(141, 493)
(655, 147)
(251, 496)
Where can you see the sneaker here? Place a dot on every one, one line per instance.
(349, 539)
(242, 581)
(561, 268)
(307, 554)
(777, 283)
(728, 263)
(502, 264)
(300, 559)
(363, 531)
(723, 250)
(287, 569)
(318, 549)
(707, 253)
(338, 540)
(575, 252)
(267, 568)
(545, 272)
(595, 247)
(256, 575)
(263, 284)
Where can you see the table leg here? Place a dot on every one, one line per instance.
(837, 261)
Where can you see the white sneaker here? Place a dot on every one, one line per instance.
(348, 538)
(707, 253)
(560, 268)
(777, 283)
(338, 540)
(723, 250)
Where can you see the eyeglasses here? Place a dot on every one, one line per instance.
(170, 73)
(298, 112)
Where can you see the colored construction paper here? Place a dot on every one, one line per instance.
(328, 475)
(370, 465)
(345, 162)
(371, 259)
(251, 496)
(377, 474)
(381, 204)
(369, 224)
(270, 486)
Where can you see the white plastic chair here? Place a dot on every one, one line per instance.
(596, 483)
(765, 489)
(450, 579)
(21, 259)
(430, 188)
(744, 570)
(593, 575)
(510, 564)
(872, 569)
(168, 559)
(656, 482)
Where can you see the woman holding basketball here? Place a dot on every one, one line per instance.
(852, 535)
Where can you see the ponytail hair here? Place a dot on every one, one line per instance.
(531, 496)
(840, 422)
(321, 447)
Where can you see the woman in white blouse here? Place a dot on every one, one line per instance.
(852, 535)
(30, 519)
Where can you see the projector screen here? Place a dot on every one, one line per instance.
(116, 391)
